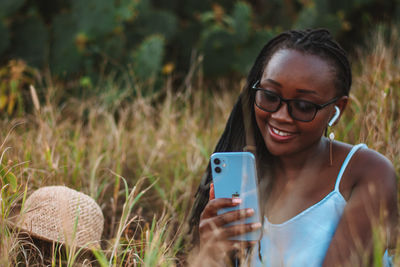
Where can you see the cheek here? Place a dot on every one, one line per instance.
(314, 128)
(261, 118)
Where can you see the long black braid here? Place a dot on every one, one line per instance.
(317, 42)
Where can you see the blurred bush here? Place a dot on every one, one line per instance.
(89, 38)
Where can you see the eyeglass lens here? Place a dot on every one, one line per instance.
(298, 109)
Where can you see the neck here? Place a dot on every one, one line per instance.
(301, 163)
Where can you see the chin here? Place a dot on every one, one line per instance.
(280, 149)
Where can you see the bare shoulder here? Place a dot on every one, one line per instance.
(372, 164)
(375, 170)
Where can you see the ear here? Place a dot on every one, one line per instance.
(341, 103)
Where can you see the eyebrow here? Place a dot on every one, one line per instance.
(305, 91)
(274, 82)
(299, 90)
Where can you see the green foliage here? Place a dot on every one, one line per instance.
(241, 22)
(8, 7)
(84, 38)
(156, 22)
(31, 31)
(94, 18)
(245, 56)
(148, 57)
(321, 14)
(65, 56)
(229, 43)
(218, 49)
(125, 10)
(8, 178)
(77, 33)
(5, 37)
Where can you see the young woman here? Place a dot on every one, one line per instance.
(323, 201)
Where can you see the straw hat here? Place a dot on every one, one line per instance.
(64, 215)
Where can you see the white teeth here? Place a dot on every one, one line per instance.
(276, 131)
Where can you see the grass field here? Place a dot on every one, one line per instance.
(142, 161)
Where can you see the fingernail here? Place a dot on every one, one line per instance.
(249, 212)
(256, 225)
(236, 200)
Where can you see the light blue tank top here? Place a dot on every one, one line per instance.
(304, 239)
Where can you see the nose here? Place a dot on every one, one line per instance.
(282, 114)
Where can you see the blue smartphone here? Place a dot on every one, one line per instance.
(234, 175)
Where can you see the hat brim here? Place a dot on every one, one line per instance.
(21, 230)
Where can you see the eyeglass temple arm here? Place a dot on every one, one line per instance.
(256, 84)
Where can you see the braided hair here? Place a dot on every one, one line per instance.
(316, 42)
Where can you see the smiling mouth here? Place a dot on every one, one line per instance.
(281, 133)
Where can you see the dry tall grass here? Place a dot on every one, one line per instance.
(159, 146)
(373, 116)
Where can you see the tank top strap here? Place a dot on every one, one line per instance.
(346, 162)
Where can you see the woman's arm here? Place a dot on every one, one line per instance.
(370, 216)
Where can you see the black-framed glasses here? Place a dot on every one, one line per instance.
(301, 110)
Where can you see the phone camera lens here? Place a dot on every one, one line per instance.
(217, 161)
(217, 169)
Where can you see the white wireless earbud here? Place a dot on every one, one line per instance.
(335, 117)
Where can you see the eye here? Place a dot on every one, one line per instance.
(269, 97)
(303, 106)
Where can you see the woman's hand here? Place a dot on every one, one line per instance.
(213, 229)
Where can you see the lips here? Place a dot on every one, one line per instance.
(280, 134)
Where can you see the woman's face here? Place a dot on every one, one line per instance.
(295, 75)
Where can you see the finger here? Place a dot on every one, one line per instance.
(237, 245)
(239, 229)
(215, 227)
(227, 245)
(232, 216)
(218, 203)
(212, 193)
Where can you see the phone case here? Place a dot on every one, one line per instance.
(234, 174)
